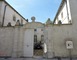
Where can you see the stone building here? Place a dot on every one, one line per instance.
(63, 13)
(9, 15)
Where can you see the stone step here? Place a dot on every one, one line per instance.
(37, 56)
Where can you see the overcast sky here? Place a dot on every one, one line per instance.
(41, 9)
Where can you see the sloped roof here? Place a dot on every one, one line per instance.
(14, 9)
(61, 5)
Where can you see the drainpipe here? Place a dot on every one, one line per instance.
(67, 10)
(4, 15)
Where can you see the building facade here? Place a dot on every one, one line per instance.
(38, 35)
(9, 15)
(58, 40)
(60, 34)
(64, 13)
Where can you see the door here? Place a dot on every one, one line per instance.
(28, 42)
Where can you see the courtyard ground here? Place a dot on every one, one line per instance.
(35, 59)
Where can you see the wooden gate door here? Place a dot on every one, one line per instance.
(28, 42)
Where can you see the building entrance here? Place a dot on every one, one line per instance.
(32, 47)
(38, 47)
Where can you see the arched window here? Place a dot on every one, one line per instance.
(35, 38)
(35, 30)
(42, 37)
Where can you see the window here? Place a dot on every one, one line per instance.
(62, 15)
(21, 22)
(41, 29)
(57, 18)
(42, 37)
(18, 20)
(14, 18)
(35, 38)
(35, 29)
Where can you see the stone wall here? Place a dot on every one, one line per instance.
(56, 35)
(55, 38)
(11, 41)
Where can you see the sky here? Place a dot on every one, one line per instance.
(41, 9)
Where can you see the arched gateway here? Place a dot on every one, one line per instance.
(33, 39)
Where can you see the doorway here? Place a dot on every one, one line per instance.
(38, 47)
(28, 43)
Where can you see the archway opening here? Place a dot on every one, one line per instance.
(38, 46)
